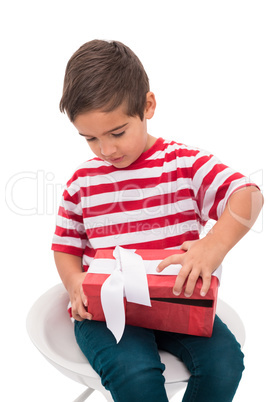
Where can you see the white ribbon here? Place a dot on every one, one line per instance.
(112, 300)
(128, 278)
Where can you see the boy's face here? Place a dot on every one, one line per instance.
(116, 137)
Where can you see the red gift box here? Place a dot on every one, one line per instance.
(188, 315)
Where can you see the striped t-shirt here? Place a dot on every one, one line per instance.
(158, 202)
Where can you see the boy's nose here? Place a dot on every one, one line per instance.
(107, 148)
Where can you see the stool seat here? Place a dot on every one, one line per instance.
(52, 332)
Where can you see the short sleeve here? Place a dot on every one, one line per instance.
(70, 236)
(213, 184)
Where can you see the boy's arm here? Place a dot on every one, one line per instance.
(70, 270)
(203, 256)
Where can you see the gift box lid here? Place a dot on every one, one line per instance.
(160, 284)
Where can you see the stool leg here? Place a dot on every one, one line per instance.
(84, 395)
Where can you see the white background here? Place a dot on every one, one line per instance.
(207, 62)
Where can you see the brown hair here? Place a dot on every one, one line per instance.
(104, 75)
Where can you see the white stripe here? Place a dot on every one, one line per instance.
(143, 236)
(72, 207)
(135, 194)
(87, 260)
(203, 171)
(92, 163)
(69, 224)
(233, 187)
(171, 148)
(69, 241)
(209, 198)
(140, 214)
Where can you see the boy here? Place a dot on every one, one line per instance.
(143, 192)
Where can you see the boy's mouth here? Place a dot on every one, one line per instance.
(116, 160)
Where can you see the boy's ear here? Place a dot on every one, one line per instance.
(150, 105)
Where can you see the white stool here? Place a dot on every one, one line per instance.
(51, 331)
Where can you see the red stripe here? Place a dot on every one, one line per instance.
(131, 184)
(200, 162)
(67, 232)
(127, 206)
(74, 199)
(70, 215)
(67, 249)
(167, 242)
(142, 225)
(220, 194)
(70, 312)
(206, 183)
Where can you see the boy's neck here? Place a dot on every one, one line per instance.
(151, 141)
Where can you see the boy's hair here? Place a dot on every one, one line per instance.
(103, 75)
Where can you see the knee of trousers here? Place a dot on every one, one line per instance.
(132, 373)
(226, 363)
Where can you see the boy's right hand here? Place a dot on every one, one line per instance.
(78, 298)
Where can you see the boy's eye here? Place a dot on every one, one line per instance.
(113, 134)
(119, 134)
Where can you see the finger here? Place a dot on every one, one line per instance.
(81, 314)
(84, 314)
(77, 317)
(87, 316)
(83, 297)
(206, 284)
(191, 282)
(187, 244)
(180, 280)
(172, 259)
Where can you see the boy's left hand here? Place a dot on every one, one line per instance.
(201, 258)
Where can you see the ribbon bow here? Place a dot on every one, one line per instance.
(128, 279)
